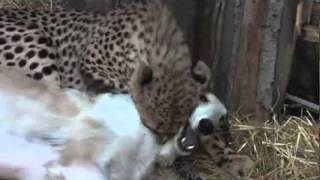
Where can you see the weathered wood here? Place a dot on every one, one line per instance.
(303, 15)
(287, 40)
(206, 30)
(257, 45)
(311, 106)
(225, 70)
(236, 68)
(311, 33)
(319, 91)
(268, 54)
(245, 90)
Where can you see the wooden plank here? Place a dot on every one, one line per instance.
(227, 61)
(244, 93)
(268, 54)
(319, 93)
(316, 8)
(208, 33)
(286, 47)
(205, 30)
(311, 33)
(311, 106)
(303, 15)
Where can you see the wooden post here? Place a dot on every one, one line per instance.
(207, 30)
(286, 47)
(217, 29)
(245, 91)
(236, 62)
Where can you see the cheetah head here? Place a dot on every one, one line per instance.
(165, 98)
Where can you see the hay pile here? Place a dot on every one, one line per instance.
(287, 150)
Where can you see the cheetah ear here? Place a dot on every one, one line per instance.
(142, 75)
(201, 73)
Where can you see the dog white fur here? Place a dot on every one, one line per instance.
(104, 139)
(65, 134)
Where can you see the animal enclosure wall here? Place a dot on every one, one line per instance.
(250, 46)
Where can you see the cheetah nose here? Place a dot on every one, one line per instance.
(205, 127)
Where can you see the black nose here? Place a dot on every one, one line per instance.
(205, 127)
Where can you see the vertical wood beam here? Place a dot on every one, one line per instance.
(225, 72)
(286, 47)
(269, 52)
(245, 84)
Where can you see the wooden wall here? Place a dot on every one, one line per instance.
(253, 48)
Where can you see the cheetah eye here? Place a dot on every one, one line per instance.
(205, 127)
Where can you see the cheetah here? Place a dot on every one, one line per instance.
(98, 53)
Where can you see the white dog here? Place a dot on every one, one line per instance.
(53, 134)
(47, 133)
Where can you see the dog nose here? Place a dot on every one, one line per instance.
(205, 127)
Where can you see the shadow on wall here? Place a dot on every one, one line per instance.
(304, 79)
(100, 6)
